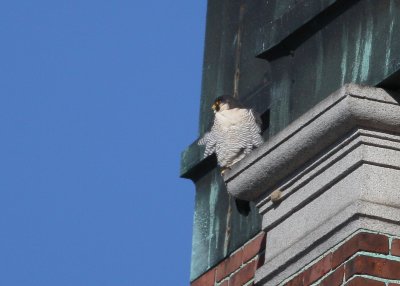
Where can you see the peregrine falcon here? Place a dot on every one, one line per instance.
(235, 132)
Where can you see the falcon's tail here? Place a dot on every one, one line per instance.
(243, 207)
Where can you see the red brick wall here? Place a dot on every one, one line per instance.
(366, 259)
(239, 268)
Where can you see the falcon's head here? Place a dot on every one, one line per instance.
(225, 102)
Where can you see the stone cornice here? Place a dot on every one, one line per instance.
(351, 107)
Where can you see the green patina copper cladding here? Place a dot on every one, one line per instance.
(283, 56)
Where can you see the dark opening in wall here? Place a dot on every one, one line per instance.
(265, 119)
(392, 82)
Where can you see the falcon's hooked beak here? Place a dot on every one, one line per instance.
(216, 106)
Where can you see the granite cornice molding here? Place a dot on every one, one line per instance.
(350, 186)
(344, 111)
(361, 147)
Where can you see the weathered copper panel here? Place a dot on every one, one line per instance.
(280, 57)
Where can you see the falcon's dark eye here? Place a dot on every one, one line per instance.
(219, 100)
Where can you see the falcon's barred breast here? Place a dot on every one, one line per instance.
(235, 132)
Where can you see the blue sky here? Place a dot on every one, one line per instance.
(97, 100)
